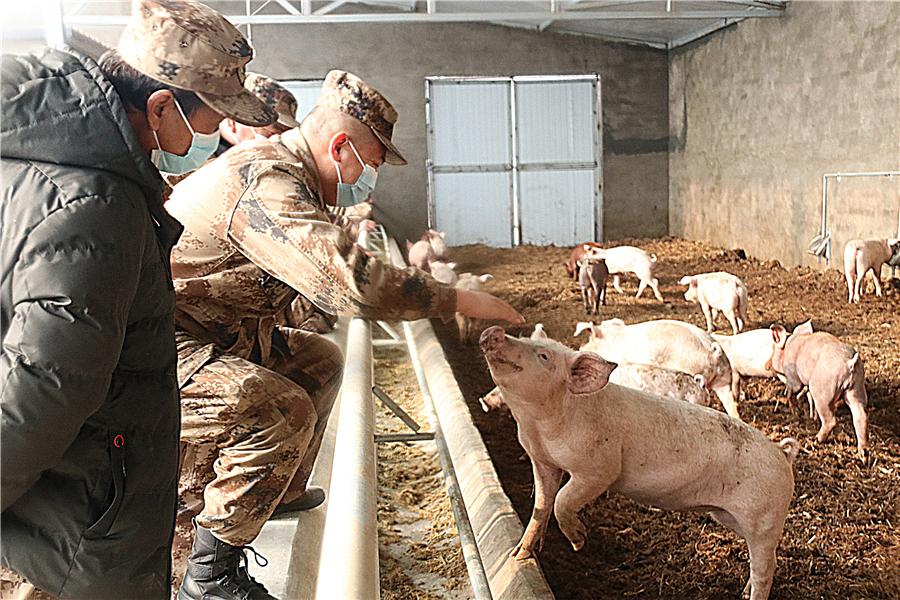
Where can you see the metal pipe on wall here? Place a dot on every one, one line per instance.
(823, 228)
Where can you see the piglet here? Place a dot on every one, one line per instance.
(628, 259)
(673, 455)
(572, 266)
(420, 254)
(716, 292)
(436, 240)
(662, 382)
(832, 370)
(443, 271)
(862, 256)
(468, 281)
(592, 276)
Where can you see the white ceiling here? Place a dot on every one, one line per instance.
(658, 23)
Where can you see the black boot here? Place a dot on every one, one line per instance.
(218, 571)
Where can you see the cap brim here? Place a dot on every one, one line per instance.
(243, 107)
(392, 156)
(287, 121)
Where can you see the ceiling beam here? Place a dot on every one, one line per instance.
(459, 17)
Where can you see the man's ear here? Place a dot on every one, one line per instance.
(157, 103)
(588, 373)
(334, 146)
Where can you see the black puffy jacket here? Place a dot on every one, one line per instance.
(90, 412)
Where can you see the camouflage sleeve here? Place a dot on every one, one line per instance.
(279, 227)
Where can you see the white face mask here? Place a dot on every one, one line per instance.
(202, 147)
(349, 194)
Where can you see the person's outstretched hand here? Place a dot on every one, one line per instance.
(481, 305)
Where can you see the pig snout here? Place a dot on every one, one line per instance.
(492, 339)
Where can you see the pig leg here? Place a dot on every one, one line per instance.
(572, 498)
(856, 400)
(546, 485)
(641, 287)
(707, 312)
(848, 275)
(654, 285)
(860, 277)
(729, 314)
(824, 397)
(762, 566)
(876, 276)
(616, 284)
(726, 397)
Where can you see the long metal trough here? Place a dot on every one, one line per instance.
(331, 552)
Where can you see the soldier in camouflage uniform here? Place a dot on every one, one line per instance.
(274, 95)
(256, 395)
(91, 416)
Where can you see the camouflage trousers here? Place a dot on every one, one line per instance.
(14, 587)
(250, 434)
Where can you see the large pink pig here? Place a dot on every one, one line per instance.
(674, 455)
(832, 370)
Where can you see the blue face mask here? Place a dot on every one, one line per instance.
(202, 147)
(349, 194)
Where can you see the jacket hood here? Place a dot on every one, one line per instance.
(58, 108)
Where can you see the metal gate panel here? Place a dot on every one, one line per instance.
(474, 208)
(471, 124)
(555, 122)
(557, 207)
(539, 135)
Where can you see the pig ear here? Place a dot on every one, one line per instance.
(588, 373)
(581, 327)
(686, 280)
(779, 335)
(451, 265)
(409, 245)
(443, 234)
(539, 333)
(804, 328)
(485, 278)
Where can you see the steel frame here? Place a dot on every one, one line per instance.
(537, 15)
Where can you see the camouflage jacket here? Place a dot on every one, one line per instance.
(257, 232)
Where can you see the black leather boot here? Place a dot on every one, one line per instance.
(218, 571)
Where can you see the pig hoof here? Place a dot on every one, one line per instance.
(576, 546)
(521, 553)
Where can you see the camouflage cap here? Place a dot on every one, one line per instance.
(188, 45)
(349, 94)
(274, 95)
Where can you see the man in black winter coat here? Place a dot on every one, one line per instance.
(90, 411)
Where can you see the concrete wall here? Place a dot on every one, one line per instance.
(759, 112)
(396, 59)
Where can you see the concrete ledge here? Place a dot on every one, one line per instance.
(496, 525)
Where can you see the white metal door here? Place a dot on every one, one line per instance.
(515, 160)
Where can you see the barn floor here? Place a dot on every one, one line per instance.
(841, 538)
